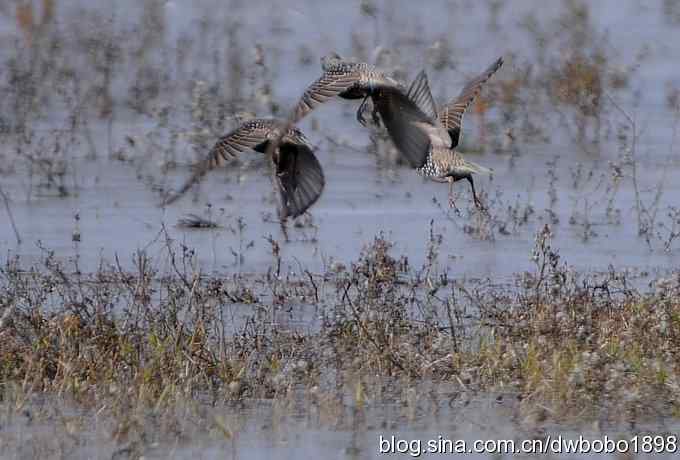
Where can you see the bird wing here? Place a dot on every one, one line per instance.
(329, 85)
(299, 178)
(405, 123)
(451, 115)
(419, 92)
(250, 135)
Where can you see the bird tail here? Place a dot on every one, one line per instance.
(475, 168)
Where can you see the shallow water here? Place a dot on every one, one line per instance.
(419, 429)
(118, 213)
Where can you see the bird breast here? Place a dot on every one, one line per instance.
(441, 162)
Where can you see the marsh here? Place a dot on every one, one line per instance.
(126, 333)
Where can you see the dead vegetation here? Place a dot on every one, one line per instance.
(162, 356)
(133, 345)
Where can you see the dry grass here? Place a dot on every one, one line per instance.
(150, 354)
(570, 347)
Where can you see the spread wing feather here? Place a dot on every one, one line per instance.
(419, 92)
(249, 136)
(402, 117)
(299, 177)
(451, 115)
(329, 85)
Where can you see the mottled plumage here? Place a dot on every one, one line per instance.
(448, 165)
(298, 176)
(451, 115)
(333, 82)
(359, 80)
(416, 128)
(368, 77)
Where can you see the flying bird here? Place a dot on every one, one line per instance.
(418, 129)
(297, 174)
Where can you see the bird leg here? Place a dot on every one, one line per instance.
(360, 112)
(284, 229)
(478, 203)
(452, 201)
(282, 213)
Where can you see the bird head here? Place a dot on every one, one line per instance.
(243, 116)
(329, 59)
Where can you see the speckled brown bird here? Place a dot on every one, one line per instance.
(356, 80)
(451, 115)
(415, 125)
(346, 79)
(298, 176)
